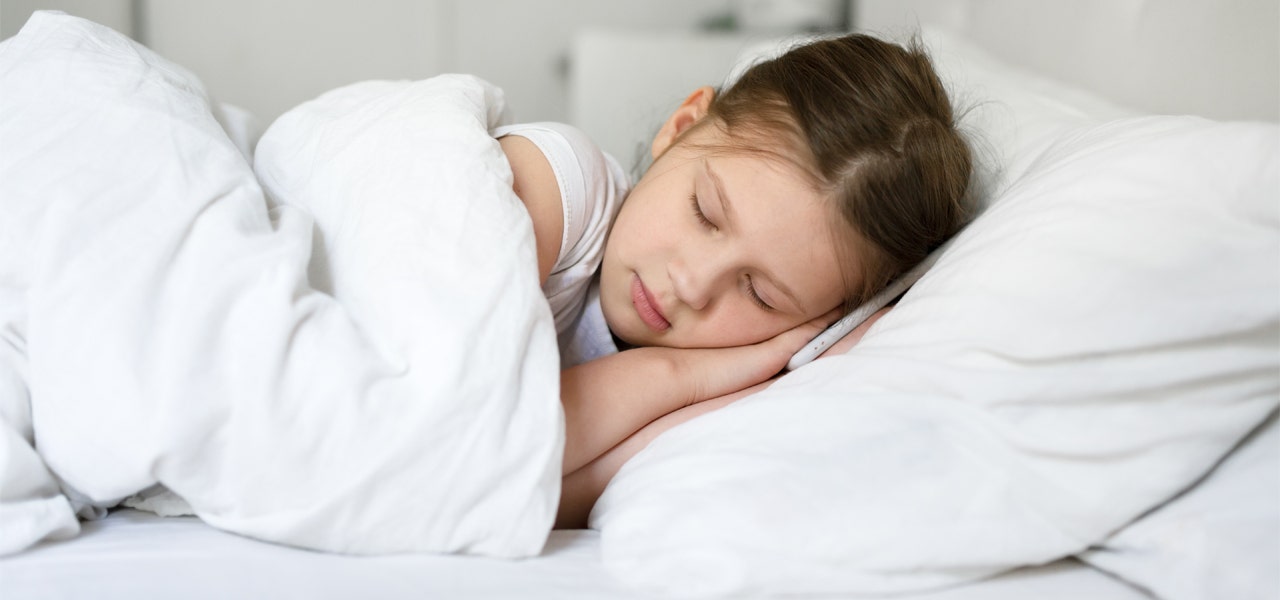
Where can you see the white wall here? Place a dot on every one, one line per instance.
(116, 14)
(626, 83)
(524, 45)
(269, 56)
(1219, 59)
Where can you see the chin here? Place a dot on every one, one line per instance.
(625, 330)
(636, 335)
(634, 332)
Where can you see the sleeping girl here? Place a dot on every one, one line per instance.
(770, 207)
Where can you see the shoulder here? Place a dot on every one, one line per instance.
(588, 183)
(533, 177)
(573, 157)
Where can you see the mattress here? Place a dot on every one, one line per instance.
(132, 554)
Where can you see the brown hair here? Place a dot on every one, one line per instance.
(871, 124)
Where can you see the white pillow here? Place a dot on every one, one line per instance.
(1087, 348)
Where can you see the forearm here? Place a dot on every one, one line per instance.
(608, 399)
(580, 489)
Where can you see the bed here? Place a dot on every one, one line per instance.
(1078, 401)
(133, 554)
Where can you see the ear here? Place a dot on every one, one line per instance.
(690, 111)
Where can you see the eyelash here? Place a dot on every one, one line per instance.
(697, 212)
(755, 297)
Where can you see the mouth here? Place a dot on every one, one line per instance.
(647, 307)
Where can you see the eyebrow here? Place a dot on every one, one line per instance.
(727, 208)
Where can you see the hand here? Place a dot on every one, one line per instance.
(784, 345)
(719, 371)
(608, 399)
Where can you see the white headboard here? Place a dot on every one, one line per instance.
(1215, 58)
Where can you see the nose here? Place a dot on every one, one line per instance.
(695, 279)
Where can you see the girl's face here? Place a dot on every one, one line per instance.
(713, 250)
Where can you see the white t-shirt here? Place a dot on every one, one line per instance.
(592, 187)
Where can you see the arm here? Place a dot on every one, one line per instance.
(535, 183)
(580, 489)
(608, 399)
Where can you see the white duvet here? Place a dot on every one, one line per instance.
(163, 320)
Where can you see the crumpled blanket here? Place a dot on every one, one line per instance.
(353, 356)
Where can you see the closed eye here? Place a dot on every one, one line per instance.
(755, 296)
(697, 213)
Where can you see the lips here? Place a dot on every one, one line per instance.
(647, 307)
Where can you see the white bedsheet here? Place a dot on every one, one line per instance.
(137, 555)
(158, 324)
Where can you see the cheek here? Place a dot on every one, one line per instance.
(644, 236)
(633, 222)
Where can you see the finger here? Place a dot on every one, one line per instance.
(795, 338)
(817, 324)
